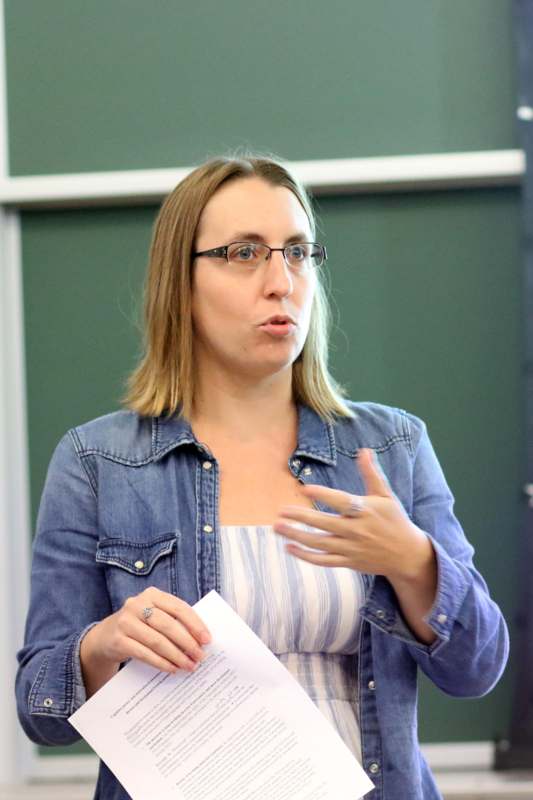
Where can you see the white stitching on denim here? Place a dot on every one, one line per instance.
(390, 442)
(90, 478)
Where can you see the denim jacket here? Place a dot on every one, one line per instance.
(131, 502)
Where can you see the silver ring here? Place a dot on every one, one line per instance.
(147, 613)
(356, 505)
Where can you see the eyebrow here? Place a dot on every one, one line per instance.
(251, 236)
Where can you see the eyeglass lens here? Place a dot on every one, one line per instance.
(298, 255)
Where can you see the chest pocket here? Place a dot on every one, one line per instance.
(132, 567)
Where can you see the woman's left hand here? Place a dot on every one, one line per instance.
(380, 539)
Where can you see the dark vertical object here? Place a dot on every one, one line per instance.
(516, 751)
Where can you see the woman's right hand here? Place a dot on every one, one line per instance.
(169, 639)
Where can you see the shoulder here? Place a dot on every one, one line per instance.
(378, 426)
(122, 435)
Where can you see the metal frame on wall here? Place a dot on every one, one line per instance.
(516, 750)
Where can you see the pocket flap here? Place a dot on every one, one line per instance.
(135, 557)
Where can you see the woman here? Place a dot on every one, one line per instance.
(239, 467)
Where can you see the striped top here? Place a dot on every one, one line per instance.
(308, 616)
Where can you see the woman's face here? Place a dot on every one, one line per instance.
(232, 306)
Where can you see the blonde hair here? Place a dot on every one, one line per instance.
(163, 381)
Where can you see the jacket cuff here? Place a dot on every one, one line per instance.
(58, 689)
(453, 582)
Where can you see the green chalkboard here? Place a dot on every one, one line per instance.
(126, 84)
(427, 286)
(427, 289)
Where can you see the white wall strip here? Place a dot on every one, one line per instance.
(332, 176)
(458, 756)
(60, 768)
(16, 751)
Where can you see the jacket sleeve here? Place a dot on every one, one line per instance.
(68, 595)
(472, 645)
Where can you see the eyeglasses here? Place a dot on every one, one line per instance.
(298, 256)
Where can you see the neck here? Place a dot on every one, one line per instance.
(243, 407)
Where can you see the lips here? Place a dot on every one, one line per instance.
(278, 319)
(278, 326)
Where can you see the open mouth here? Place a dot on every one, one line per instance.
(278, 326)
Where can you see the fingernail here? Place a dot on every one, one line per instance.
(205, 638)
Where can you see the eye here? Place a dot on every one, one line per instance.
(297, 252)
(244, 252)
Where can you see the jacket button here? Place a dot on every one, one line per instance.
(207, 465)
(139, 564)
(371, 685)
(380, 614)
(47, 702)
(308, 471)
(208, 529)
(442, 618)
(374, 768)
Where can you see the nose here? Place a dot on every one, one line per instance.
(278, 281)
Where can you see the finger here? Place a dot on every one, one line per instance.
(319, 559)
(374, 479)
(157, 644)
(329, 544)
(355, 506)
(336, 499)
(334, 523)
(137, 650)
(175, 632)
(178, 609)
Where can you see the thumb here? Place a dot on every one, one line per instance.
(373, 478)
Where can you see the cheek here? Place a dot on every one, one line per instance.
(207, 299)
(306, 301)
(214, 305)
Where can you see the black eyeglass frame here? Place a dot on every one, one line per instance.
(222, 251)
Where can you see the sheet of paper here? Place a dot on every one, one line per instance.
(238, 728)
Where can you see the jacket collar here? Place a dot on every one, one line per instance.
(316, 438)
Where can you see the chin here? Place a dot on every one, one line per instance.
(267, 367)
